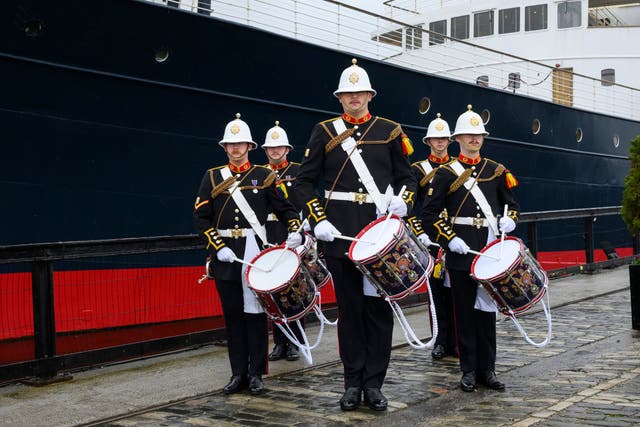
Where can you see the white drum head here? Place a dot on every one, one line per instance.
(486, 268)
(280, 274)
(374, 239)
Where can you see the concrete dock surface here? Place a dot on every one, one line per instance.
(589, 374)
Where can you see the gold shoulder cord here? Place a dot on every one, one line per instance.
(496, 173)
(428, 177)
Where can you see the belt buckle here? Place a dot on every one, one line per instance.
(361, 197)
(236, 233)
(478, 222)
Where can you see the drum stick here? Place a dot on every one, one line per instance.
(471, 252)
(502, 237)
(236, 259)
(306, 220)
(353, 239)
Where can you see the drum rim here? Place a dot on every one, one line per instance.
(477, 257)
(280, 286)
(366, 229)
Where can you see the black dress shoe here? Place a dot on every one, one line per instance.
(490, 380)
(236, 384)
(375, 399)
(292, 352)
(256, 386)
(438, 352)
(277, 353)
(468, 381)
(350, 399)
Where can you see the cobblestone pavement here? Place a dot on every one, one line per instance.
(588, 375)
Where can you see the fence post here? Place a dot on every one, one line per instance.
(588, 239)
(44, 327)
(532, 238)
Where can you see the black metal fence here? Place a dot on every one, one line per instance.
(46, 364)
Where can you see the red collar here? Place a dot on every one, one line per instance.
(469, 160)
(277, 167)
(242, 168)
(439, 160)
(354, 121)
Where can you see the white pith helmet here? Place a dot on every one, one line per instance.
(354, 79)
(438, 128)
(469, 123)
(276, 137)
(237, 131)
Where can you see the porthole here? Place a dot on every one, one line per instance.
(535, 126)
(486, 116)
(616, 140)
(161, 55)
(33, 28)
(425, 104)
(579, 135)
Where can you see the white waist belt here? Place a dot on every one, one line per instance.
(236, 232)
(272, 217)
(349, 196)
(476, 222)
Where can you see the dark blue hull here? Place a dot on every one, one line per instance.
(102, 141)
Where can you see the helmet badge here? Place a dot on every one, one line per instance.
(354, 78)
(235, 129)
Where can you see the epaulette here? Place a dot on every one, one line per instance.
(428, 177)
(330, 120)
(269, 179)
(223, 186)
(498, 171)
(338, 139)
(388, 120)
(460, 180)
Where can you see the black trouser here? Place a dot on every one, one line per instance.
(365, 328)
(247, 336)
(444, 313)
(476, 329)
(278, 335)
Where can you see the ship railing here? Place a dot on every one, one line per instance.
(43, 288)
(406, 41)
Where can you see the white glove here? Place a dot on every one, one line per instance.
(306, 226)
(425, 240)
(458, 246)
(507, 225)
(294, 240)
(398, 206)
(226, 255)
(324, 230)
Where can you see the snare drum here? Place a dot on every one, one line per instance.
(388, 253)
(316, 268)
(283, 292)
(515, 282)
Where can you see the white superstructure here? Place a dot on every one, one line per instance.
(579, 53)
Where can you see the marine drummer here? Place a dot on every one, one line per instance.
(276, 147)
(474, 191)
(230, 212)
(361, 161)
(437, 138)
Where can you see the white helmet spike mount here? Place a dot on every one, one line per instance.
(276, 137)
(438, 128)
(237, 131)
(354, 79)
(469, 123)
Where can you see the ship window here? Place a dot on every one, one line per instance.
(616, 140)
(483, 81)
(173, 3)
(485, 116)
(414, 37)
(161, 55)
(535, 126)
(509, 20)
(483, 23)
(579, 135)
(437, 29)
(460, 27)
(569, 14)
(535, 17)
(204, 7)
(425, 104)
(608, 77)
(394, 38)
